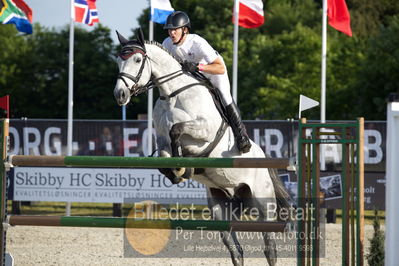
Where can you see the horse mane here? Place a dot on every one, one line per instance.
(163, 48)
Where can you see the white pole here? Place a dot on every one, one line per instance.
(70, 91)
(300, 107)
(323, 65)
(150, 100)
(392, 184)
(323, 79)
(235, 48)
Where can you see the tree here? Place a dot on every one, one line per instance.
(39, 81)
(345, 59)
(278, 67)
(95, 74)
(377, 254)
(14, 50)
(368, 15)
(380, 72)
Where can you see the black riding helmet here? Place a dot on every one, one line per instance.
(177, 20)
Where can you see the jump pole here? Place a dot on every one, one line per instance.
(116, 222)
(147, 162)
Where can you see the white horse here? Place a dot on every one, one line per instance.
(187, 123)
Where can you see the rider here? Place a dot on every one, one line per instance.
(198, 55)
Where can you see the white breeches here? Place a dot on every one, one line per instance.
(225, 92)
(223, 84)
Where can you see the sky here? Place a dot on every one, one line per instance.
(118, 15)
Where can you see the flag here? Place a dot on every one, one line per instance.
(338, 16)
(16, 12)
(251, 13)
(160, 10)
(5, 104)
(306, 103)
(86, 12)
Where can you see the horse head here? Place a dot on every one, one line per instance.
(134, 68)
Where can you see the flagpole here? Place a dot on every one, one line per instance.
(150, 95)
(300, 108)
(323, 64)
(323, 79)
(235, 49)
(70, 90)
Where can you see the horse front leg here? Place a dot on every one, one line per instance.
(165, 152)
(197, 129)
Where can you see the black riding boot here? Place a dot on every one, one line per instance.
(240, 133)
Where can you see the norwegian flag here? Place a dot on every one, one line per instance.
(86, 12)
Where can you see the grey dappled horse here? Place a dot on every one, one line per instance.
(187, 123)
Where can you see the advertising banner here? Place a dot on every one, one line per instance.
(98, 185)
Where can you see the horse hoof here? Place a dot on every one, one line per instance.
(189, 173)
(177, 180)
(238, 261)
(179, 172)
(271, 255)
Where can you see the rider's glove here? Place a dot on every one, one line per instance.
(190, 67)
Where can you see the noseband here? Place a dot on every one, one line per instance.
(126, 52)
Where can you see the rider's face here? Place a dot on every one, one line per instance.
(175, 34)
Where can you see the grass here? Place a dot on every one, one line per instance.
(368, 216)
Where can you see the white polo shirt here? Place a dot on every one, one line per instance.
(197, 50)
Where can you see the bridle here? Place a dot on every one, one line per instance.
(127, 51)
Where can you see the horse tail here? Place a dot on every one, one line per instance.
(283, 198)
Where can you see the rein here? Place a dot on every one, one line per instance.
(173, 94)
(197, 75)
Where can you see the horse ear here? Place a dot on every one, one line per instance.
(122, 39)
(140, 36)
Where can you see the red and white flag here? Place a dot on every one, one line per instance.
(251, 14)
(338, 16)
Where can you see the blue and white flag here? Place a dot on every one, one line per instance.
(160, 10)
